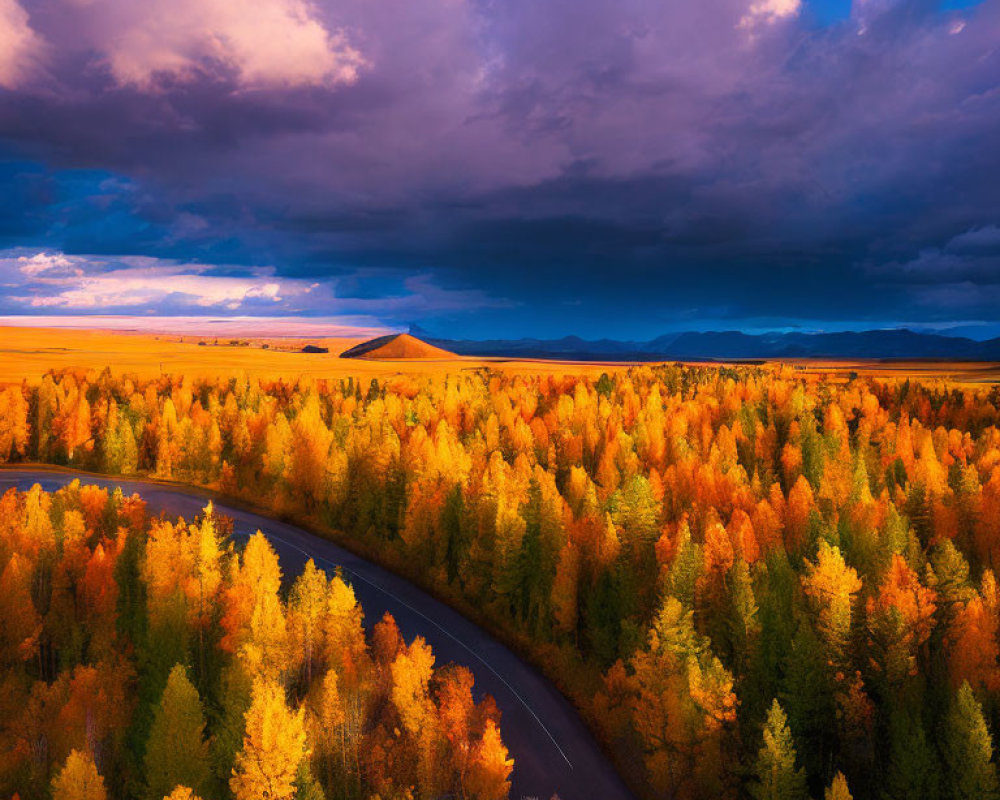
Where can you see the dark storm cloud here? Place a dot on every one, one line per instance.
(614, 165)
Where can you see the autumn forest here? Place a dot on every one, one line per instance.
(751, 582)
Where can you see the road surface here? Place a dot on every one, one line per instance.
(553, 751)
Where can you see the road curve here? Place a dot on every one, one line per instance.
(553, 751)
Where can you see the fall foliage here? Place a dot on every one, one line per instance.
(147, 658)
(750, 579)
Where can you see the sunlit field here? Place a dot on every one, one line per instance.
(29, 353)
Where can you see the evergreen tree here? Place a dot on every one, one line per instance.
(777, 777)
(685, 568)
(177, 754)
(913, 770)
(807, 693)
(967, 748)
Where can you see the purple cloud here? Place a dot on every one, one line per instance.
(672, 151)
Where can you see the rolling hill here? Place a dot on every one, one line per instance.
(398, 346)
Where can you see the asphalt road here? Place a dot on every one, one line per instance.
(553, 751)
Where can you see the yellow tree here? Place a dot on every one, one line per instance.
(20, 623)
(343, 635)
(13, 424)
(307, 604)
(273, 746)
(682, 705)
(181, 793)
(564, 589)
(838, 789)
(264, 648)
(79, 779)
(307, 462)
(490, 768)
(832, 587)
(411, 675)
(329, 735)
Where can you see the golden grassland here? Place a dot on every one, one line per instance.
(29, 353)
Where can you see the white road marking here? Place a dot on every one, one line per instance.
(437, 625)
(385, 591)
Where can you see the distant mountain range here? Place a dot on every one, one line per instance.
(729, 345)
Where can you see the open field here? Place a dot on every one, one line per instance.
(28, 353)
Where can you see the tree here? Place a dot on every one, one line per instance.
(411, 674)
(838, 789)
(176, 752)
(456, 713)
(255, 620)
(490, 768)
(14, 426)
(564, 589)
(913, 769)
(20, 623)
(974, 649)
(900, 620)
(831, 586)
(808, 692)
(79, 779)
(307, 603)
(682, 706)
(329, 734)
(273, 746)
(967, 748)
(777, 778)
(182, 793)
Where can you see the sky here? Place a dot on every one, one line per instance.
(504, 168)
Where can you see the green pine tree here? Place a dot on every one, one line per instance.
(777, 778)
(177, 753)
(913, 769)
(967, 748)
(807, 693)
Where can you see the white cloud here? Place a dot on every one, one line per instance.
(87, 283)
(50, 266)
(767, 11)
(266, 43)
(39, 282)
(20, 46)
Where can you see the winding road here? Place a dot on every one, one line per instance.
(553, 751)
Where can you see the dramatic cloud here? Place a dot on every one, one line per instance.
(960, 277)
(769, 11)
(20, 47)
(547, 165)
(80, 283)
(271, 43)
(55, 282)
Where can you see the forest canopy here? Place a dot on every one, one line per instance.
(149, 658)
(752, 581)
